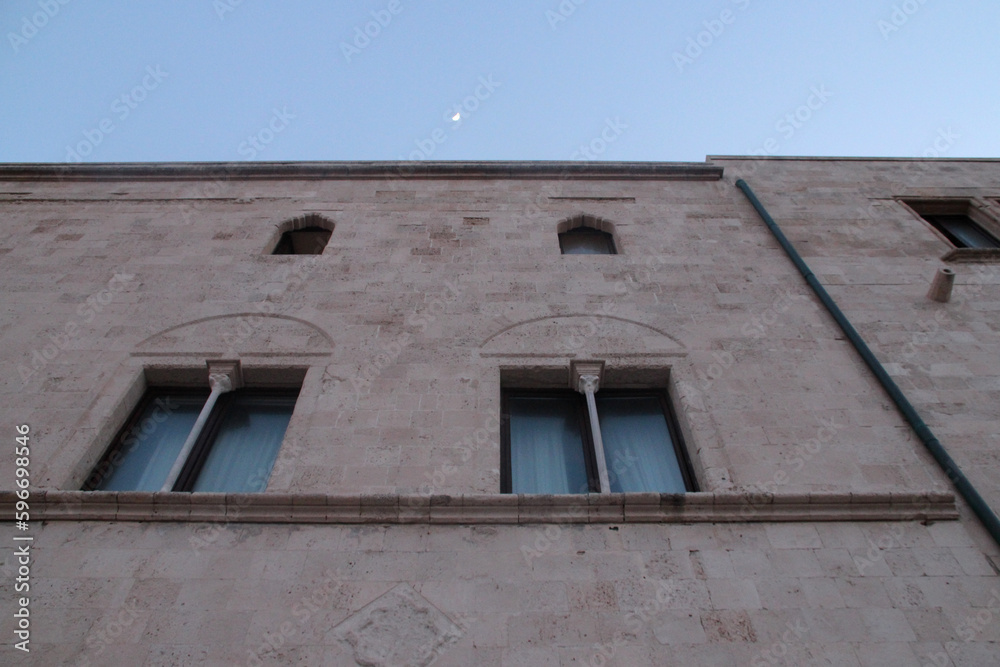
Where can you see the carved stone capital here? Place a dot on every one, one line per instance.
(220, 381)
(225, 374)
(588, 383)
(584, 375)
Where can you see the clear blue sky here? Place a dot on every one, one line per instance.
(230, 80)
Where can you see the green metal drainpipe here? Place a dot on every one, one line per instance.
(937, 450)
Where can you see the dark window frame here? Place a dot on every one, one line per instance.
(203, 445)
(206, 440)
(943, 226)
(590, 455)
(590, 231)
(119, 443)
(930, 210)
(583, 420)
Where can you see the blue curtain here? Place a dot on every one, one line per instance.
(152, 445)
(637, 445)
(247, 443)
(546, 446)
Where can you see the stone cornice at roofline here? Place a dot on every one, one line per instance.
(167, 171)
(829, 158)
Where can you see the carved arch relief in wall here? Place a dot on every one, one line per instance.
(238, 334)
(581, 335)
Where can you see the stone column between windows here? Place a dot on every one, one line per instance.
(588, 381)
(223, 376)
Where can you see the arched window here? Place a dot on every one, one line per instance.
(586, 235)
(307, 235)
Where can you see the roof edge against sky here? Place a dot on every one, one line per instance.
(834, 158)
(361, 169)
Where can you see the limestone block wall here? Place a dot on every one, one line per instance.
(429, 292)
(877, 259)
(443, 284)
(635, 594)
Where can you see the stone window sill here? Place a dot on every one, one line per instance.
(482, 508)
(969, 255)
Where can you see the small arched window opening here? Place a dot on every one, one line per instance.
(586, 235)
(586, 241)
(307, 235)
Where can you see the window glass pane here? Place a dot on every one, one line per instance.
(964, 231)
(546, 446)
(585, 241)
(246, 445)
(151, 446)
(637, 445)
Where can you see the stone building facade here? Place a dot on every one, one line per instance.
(814, 528)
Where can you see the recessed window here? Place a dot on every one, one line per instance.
(586, 241)
(962, 231)
(234, 451)
(958, 221)
(548, 444)
(306, 241)
(586, 235)
(307, 235)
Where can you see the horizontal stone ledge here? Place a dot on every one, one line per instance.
(972, 255)
(481, 508)
(238, 171)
